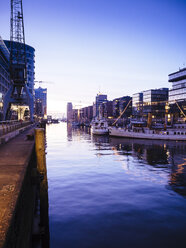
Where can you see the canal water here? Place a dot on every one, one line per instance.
(111, 192)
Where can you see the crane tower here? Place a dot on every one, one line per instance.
(18, 93)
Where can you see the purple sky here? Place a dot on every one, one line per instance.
(117, 47)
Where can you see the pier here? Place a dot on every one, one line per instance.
(18, 187)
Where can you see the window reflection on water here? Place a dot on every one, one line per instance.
(167, 158)
(104, 191)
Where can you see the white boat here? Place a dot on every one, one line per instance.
(177, 132)
(99, 126)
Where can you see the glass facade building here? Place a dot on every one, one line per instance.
(4, 73)
(30, 59)
(137, 104)
(177, 94)
(154, 102)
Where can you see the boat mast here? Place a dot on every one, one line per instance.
(122, 112)
(180, 109)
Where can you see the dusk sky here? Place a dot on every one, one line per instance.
(117, 47)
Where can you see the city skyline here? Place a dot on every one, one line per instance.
(115, 47)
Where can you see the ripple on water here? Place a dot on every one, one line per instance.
(114, 192)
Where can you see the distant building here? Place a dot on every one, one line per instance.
(107, 109)
(119, 104)
(69, 112)
(177, 95)
(4, 73)
(82, 114)
(94, 109)
(99, 100)
(41, 102)
(154, 102)
(90, 112)
(86, 114)
(137, 105)
(75, 115)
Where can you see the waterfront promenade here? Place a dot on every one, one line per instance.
(16, 191)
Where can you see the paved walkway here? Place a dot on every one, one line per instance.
(14, 158)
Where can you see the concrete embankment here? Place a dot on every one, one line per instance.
(17, 191)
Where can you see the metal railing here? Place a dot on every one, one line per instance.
(12, 125)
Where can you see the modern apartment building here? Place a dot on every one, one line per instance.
(137, 105)
(119, 104)
(107, 109)
(177, 94)
(4, 73)
(154, 102)
(30, 59)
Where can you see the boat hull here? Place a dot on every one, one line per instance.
(99, 131)
(119, 132)
(99, 126)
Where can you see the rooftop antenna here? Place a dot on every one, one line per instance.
(99, 88)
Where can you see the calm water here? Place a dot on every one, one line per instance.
(109, 192)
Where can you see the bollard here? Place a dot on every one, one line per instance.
(40, 150)
(43, 187)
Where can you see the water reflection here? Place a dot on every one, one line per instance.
(166, 155)
(159, 154)
(69, 131)
(75, 131)
(112, 193)
(154, 153)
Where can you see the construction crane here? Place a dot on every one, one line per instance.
(18, 94)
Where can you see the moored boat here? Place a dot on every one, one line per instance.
(99, 126)
(177, 132)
